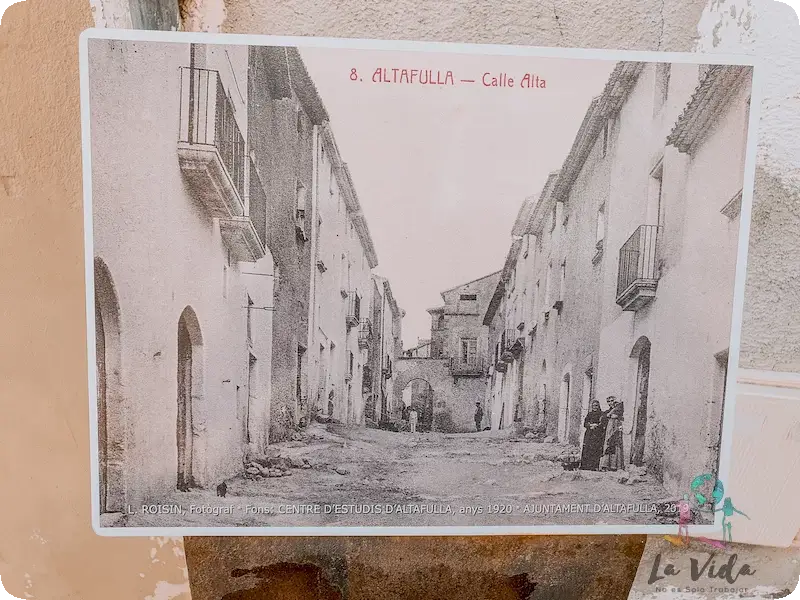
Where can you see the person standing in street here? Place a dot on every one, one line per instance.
(412, 420)
(613, 455)
(478, 416)
(594, 438)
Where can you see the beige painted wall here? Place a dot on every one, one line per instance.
(48, 548)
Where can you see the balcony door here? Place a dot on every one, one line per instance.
(469, 352)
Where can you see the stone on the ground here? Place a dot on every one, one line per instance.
(491, 482)
(530, 435)
(259, 478)
(287, 473)
(549, 439)
(253, 471)
(341, 471)
(623, 478)
(275, 473)
(306, 466)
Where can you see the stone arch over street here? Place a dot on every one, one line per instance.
(454, 398)
(110, 401)
(418, 395)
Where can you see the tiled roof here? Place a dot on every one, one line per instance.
(718, 86)
(345, 182)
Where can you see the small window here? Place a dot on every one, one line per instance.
(469, 297)
(601, 225)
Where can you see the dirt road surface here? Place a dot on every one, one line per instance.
(372, 477)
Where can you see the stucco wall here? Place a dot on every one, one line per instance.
(139, 196)
(454, 398)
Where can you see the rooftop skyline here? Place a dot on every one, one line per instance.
(441, 171)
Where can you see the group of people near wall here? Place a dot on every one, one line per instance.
(602, 442)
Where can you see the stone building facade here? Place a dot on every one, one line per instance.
(614, 258)
(343, 291)
(285, 114)
(249, 308)
(386, 345)
(182, 269)
(455, 366)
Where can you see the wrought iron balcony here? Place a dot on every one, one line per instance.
(365, 334)
(638, 274)
(467, 368)
(211, 148)
(353, 316)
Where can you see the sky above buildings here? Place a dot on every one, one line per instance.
(441, 170)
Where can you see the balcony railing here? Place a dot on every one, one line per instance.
(638, 274)
(353, 317)
(365, 334)
(211, 146)
(507, 342)
(468, 368)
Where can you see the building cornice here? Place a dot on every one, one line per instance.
(455, 287)
(494, 303)
(543, 206)
(520, 227)
(712, 95)
(390, 296)
(304, 87)
(615, 93)
(347, 188)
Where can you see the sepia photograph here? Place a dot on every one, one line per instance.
(354, 287)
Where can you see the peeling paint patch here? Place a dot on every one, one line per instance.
(202, 15)
(28, 586)
(168, 591)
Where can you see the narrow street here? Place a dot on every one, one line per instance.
(424, 479)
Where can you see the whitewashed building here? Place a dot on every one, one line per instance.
(182, 274)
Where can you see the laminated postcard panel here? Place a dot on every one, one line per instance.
(364, 287)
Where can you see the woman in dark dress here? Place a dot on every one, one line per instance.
(594, 438)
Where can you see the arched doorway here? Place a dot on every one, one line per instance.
(190, 393)
(110, 406)
(563, 408)
(641, 352)
(418, 395)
